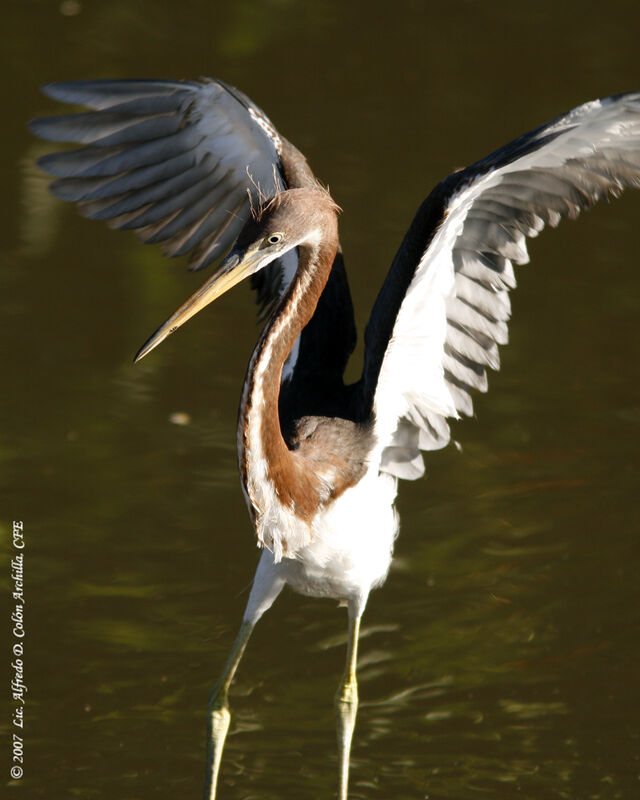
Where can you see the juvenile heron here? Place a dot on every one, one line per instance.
(198, 166)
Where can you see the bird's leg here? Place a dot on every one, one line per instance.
(218, 718)
(347, 708)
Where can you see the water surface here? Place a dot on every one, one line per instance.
(500, 659)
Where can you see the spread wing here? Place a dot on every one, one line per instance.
(174, 161)
(181, 163)
(443, 309)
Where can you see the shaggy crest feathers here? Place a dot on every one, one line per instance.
(262, 196)
(275, 201)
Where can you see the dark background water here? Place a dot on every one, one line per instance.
(501, 657)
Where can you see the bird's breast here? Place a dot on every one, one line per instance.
(289, 485)
(351, 545)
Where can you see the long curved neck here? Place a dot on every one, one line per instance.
(292, 315)
(267, 465)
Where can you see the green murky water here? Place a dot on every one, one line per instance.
(500, 659)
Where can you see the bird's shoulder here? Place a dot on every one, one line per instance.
(334, 447)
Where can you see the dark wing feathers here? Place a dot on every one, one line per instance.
(109, 129)
(444, 307)
(142, 185)
(172, 160)
(181, 163)
(100, 94)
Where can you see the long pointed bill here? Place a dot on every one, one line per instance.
(233, 269)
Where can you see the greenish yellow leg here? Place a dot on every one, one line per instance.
(219, 717)
(347, 709)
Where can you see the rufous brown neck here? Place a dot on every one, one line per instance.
(262, 448)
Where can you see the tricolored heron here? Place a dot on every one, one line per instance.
(198, 166)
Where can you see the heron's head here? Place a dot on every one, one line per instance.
(290, 219)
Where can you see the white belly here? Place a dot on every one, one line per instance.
(349, 553)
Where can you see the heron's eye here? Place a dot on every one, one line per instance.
(274, 238)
